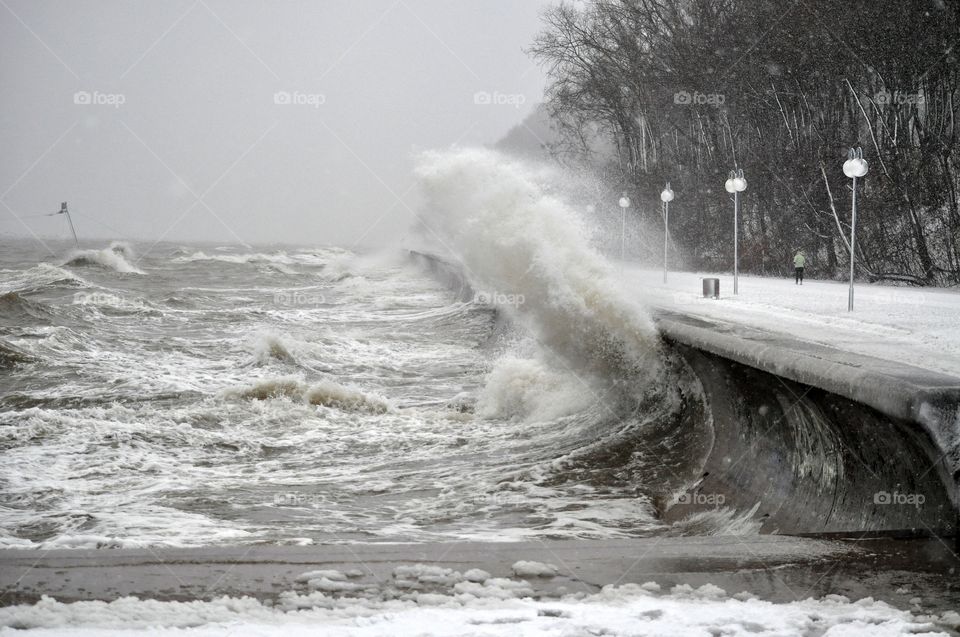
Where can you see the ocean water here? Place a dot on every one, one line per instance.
(169, 394)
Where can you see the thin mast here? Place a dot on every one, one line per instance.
(64, 211)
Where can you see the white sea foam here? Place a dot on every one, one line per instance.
(528, 390)
(116, 257)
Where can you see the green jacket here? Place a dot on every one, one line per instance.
(799, 260)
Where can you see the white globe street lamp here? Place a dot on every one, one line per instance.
(624, 204)
(854, 167)
(666, 196)
(736, 184)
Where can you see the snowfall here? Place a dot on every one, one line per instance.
(916, 326)
(431, 600)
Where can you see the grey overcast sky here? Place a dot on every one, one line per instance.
(244, 121)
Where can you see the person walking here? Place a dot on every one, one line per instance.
(798, 262)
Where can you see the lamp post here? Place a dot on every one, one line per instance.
(666, 196)
(854, 167)
(624, 204)
(736, 184)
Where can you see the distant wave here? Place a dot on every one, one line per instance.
(14, 306)
(109, 302)
(326, 393)
(10, 356)
(278, 262)
(258, 257)
(117, 257)
(335, 264)
(45, 275)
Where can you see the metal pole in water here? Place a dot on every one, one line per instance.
(63, 209)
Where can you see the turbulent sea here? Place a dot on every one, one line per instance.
(183, 395)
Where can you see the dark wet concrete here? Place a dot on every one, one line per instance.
(776, 568)
(796, 459)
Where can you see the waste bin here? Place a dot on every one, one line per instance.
(711, 288)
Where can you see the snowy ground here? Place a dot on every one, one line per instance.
(436, 601)
(919, 327)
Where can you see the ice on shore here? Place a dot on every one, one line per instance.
(524, 568)
(496, 606)
(330, 574)
(426, 574)
(477, 575)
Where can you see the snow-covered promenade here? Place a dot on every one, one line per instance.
(898, 352)
(911, 326)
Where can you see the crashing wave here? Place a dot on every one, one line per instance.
(337, 269)
(117, 257)
(528, 390)
(519, 243)
(597, 370)
(267, 347)
(719, 521)
(324, 393)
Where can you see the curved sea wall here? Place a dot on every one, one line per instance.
(802, 439)
(803, 459)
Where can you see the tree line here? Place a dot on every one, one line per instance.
(645, 91)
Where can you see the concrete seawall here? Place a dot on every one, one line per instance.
(808, 439)
(930, 399)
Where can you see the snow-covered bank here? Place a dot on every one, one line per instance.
(914, 326)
